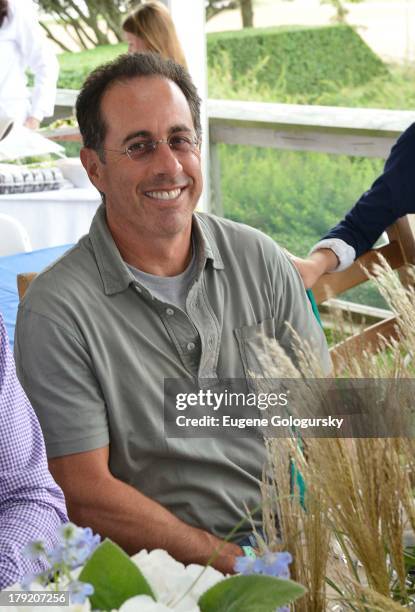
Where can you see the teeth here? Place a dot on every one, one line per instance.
(164, 195)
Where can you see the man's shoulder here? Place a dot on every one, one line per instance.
(240, 238)
(64, 278)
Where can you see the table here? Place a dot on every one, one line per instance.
(53, 218)
(10, 267)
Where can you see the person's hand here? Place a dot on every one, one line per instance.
(225, 562)
(310, 270)
(32, 123)
(317, 264)
(225, 555)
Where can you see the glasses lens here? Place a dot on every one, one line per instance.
(138, 150)
(182, 144)
(143, 148)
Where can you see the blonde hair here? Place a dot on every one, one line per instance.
(152, 23)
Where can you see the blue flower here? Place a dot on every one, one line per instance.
(68, 531)
(273, 564)
(34, 550)
(270, 564)
(43, 579)
(244, 565)
(79, 591)
(77, 546)
(27, 581)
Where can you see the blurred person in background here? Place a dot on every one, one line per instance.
(23, 45)
(150, 28)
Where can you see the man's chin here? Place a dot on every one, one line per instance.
(172, 221)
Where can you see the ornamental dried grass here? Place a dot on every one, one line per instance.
(348, 531)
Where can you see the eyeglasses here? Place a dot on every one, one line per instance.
(143, 149)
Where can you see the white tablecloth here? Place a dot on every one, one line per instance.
(52, 218)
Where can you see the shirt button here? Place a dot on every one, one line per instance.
(138, 289)
(211, 341)
(191, 346)
(169, 312)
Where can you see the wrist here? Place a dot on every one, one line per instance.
(324, 260)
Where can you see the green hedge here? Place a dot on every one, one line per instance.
(308, 59)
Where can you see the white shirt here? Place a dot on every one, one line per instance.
(23, 45)
(345, 253)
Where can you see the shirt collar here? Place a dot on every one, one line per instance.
(116, 276)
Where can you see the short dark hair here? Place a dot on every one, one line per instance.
(125, 67)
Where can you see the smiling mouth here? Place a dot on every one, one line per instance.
(171, 194)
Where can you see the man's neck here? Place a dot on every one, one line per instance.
(162, 256)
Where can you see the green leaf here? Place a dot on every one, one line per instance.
(250, 594)
(114, 577)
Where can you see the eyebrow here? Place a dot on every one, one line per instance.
(146, 134)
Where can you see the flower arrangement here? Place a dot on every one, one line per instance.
(100, 576)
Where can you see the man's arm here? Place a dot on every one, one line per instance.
(116, 510)
(31, 504)
(57, 371)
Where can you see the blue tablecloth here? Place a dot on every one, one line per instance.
(10, 267)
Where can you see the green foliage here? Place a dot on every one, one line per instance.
(75, 67)
(394, 90)
(250, 594)
(295, 197)
(310, 58)
(114, 576)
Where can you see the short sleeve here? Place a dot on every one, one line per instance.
(56, 372)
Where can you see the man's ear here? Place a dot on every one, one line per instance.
(93, 166)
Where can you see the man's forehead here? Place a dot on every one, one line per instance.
(151, 90)
(142, 102)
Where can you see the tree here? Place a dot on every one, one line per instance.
(213, 7)
(247, 13)
(89, 23)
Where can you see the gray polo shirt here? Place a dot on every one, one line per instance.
(93, 347)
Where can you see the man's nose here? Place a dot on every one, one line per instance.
(165, 160)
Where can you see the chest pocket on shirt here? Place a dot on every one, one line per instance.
(254, 346)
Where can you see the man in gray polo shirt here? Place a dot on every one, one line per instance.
(154, 291)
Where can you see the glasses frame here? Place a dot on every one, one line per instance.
(153, 147)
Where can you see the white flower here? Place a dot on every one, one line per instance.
(170, 580)
(144, 603)
(209, 577)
